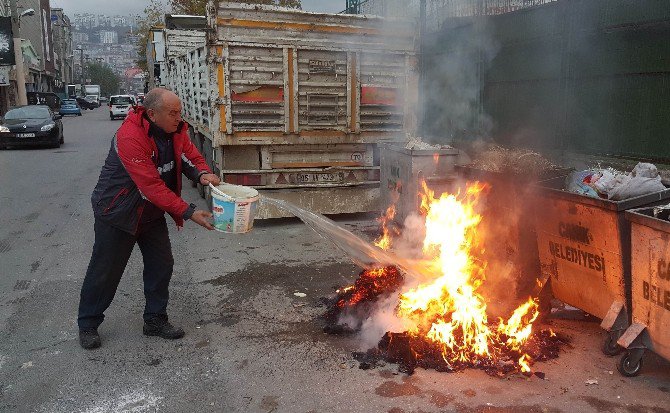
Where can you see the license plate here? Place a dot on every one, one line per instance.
(25, 135)
(308, 178)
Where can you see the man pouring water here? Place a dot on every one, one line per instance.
(139, 182)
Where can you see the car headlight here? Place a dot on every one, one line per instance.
(47, 128)
(4, 128)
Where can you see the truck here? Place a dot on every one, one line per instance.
(71, 91)
(92, 92)
(179, 34)
(296, 104)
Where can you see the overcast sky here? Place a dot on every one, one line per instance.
(137, 6)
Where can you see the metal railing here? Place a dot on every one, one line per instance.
(439, 10)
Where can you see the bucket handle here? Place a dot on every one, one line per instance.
(218, 192)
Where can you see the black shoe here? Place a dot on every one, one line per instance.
(89, 338)
(161, 327)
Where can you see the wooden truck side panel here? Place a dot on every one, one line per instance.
(289, 100)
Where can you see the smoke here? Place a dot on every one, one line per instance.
(381, 320)
(409, 243)
(456, 59)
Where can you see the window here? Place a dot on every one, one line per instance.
(121, 100)
(28, 112)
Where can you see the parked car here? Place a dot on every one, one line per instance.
(120, 105)
(85, 104)
(31, 125)
(70, 107)
(45, 98)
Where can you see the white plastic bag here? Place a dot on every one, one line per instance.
(634, 186)
(645, 170)
(607, 181)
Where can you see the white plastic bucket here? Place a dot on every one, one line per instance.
(234, 208)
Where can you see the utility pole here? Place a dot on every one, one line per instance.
(21, 97)
(422, 68)
(81, 66)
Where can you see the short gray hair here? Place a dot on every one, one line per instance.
(154, 99)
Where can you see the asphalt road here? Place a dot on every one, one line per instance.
(251, 344)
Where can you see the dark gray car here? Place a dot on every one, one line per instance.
(31, 125)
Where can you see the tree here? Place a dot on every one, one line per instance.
(192, 7)
(103, 75)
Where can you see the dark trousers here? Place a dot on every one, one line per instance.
(111, 252)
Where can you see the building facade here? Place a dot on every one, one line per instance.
(63, 48)
(109, 37)
(37, 29)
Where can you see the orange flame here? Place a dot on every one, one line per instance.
(448, 309)
(523, 363)
(384, 242)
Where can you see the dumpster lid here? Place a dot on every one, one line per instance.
(645, 216)
(555, 187)
(420, 152)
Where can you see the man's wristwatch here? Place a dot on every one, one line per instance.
(189, 211)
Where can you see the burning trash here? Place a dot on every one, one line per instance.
(356, 302)
(445, 321)
(516, 161)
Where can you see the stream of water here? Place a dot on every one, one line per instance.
(360, 251)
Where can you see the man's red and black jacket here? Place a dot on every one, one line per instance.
(130, 177)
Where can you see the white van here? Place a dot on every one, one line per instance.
(120, 105)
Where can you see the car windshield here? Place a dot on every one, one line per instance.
(69, 102)
(121, 100)
(28, 112)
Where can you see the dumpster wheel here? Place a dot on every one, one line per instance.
(627, 365)
(610, 346)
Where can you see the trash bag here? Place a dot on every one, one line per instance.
(579, 183)
(614, 185)
(606, 182)
(645, 170)
(634, 186)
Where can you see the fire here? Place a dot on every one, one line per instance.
(384, 242)
(444, 315)
(523, 363)
(370, 284)
(448, 310)
(355, 303)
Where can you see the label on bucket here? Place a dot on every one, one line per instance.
(230, 216)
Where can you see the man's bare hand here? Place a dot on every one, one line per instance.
(202, 218)
(206, 179)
